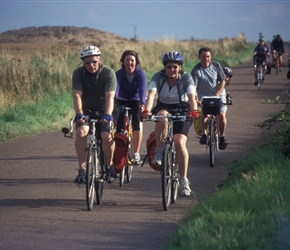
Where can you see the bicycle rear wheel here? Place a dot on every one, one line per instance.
(211, 142)
(166, 179)
(90, 176)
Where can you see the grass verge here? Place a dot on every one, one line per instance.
(250, 211)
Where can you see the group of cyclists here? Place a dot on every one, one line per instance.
(262, 53)
(97, 88)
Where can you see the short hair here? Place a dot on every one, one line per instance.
(132, 53)
(204, 49)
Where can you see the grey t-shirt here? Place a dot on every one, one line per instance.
(171, 96)
(207, 80)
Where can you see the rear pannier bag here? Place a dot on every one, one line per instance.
(211, 105)
(121, 152)
(150, 146)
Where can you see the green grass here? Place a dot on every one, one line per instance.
(50, 114)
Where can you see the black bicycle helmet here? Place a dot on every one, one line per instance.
(228, 71)
(172, 56)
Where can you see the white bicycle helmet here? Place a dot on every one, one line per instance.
(90, 50)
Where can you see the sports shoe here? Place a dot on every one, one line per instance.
(256, 83)
(184, 189)
(81, 177)
(111, 176)
(222, 143)
(157, 159)
(202, 140)
(136, 158)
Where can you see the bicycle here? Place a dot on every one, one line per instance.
(95, 162)
(169, 168)
(127, 130)
(211, 107)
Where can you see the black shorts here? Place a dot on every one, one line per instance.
(134, 112)
(180, 108)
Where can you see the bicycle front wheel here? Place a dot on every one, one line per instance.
(90, 176)
(166, 172)
(99, 184)
(211, 142)
(122, 176)
(175, 181)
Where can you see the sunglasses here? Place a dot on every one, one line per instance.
(89, 63)
(169, 67)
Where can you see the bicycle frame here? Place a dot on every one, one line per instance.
(94, 165)
(127, 130)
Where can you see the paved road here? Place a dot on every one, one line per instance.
(41, 207)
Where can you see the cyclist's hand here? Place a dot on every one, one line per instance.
(145, 113)
(79, 118)
(193, 114)
(106, 118)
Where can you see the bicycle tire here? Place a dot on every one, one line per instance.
(166, 178)
(175, 182)
(211, 142)
(99, 184)
(122, 177)
(90, 176)
(129, 170)
(129, 166)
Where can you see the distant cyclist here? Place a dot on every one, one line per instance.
(277, 46)
(261, 55)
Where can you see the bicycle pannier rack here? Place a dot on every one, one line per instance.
(211, 105)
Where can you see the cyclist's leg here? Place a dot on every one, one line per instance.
(182, 156)
(82, 130)
(136, 126)
(161, 129)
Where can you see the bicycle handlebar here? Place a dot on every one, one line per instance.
(174, 118)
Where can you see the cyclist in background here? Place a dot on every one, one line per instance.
(277, 46)
(131, 92)
(209, 79)
(261, 54)
(93, 88)
(176, 91)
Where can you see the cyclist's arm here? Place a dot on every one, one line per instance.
(192, 101)
(150, 99)
(77, 98)
(110, 95)
(220, 88)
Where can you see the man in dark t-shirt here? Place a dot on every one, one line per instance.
(93, 90)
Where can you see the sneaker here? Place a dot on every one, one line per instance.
(256, 83)
(202, 140)
(136, 158)
(184, 189)
(157, 159)
(222, 143)
(81, 177)
(111, 176)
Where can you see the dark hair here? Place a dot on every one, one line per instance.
(204, 49)
(132, 53)
(278, 37)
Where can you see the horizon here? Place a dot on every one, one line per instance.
(153, 20)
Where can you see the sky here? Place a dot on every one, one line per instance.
(152, 20)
